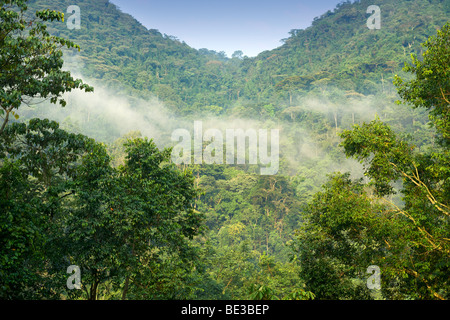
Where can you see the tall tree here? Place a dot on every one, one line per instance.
(420, 254)
(348, 228)
(38, 162)
(430, 87)
(337, 241)
(125, 222)
(31, 59)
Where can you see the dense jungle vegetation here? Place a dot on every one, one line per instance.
(86, 176)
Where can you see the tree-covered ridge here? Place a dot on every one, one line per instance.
(118, 50)
(338, 50)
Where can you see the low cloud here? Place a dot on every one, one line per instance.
(107, 115)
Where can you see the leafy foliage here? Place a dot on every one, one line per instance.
(31, 59)
(337, 51)
(142, 228)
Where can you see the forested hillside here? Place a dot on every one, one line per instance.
(120, 52)
(338, 50)
(363, 177)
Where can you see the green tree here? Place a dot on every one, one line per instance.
(418, 257)
(337, 241)
(20, 236)
(62, 203)
(31, 59)
(38, 162)
(126, 222)
(430, 87)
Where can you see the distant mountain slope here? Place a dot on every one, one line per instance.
(338, 50)
(119, 50)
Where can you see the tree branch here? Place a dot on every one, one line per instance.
(416, 180)
(5, 121)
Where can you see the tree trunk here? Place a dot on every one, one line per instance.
(125, 289)
(5, 121)
(93, 291)
(335, 121)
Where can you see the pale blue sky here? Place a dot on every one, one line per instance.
(248, 25)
